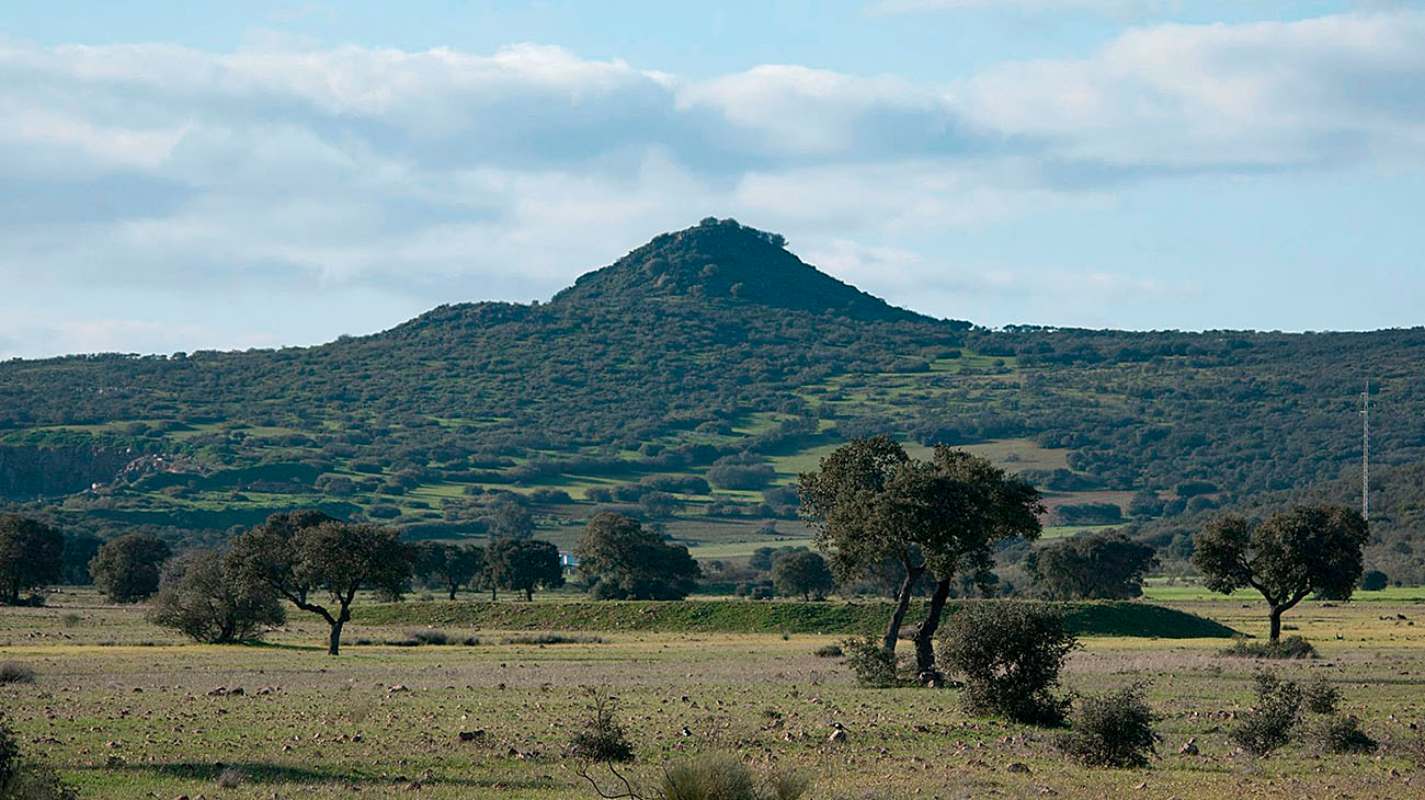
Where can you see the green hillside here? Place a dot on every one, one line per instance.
(689, 382)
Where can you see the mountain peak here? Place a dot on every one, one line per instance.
(721, 260)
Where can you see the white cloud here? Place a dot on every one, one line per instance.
(442, 175)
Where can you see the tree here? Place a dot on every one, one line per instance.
(302, 555)
(1103, 566)
(842, 498)
(31, 556)
(802, 572)
(203, 599)
(128, 569)
(1293, 554)
(79, 550)
(1374, 581)
(625, 561)
(511, 520)
(523, 565)
(453, 566)
(870, 502)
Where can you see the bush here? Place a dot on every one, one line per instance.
(552, 638)
(719, 777)
(1010, 655)
(1292, 647)
(829, 651)
(1269, 724)
(1343, 734)
(26, 779)
(1374, 581)
(1320, 696)
(202, 599)
(601, 740)
(128, 569)
(1112, 730)
(12, 672)
(873, 667)
(424, 637)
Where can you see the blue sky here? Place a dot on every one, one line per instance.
(178, 175)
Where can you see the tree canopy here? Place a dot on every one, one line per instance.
(128, 569)
(524, 565)
(624, 561)
(1286, 558)
(1103, 566)
(306, 555)
(31, 556)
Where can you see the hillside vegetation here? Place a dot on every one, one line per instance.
(688, 383)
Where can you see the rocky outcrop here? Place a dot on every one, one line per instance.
(31, 471)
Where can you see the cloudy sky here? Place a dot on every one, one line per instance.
(178, 175)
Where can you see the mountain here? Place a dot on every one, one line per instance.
(722, 260)
(690, 382)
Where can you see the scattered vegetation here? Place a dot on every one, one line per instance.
(1292, 647)
(1320, 695)
(1112, 730)
(12, 672)
(868, 660)
(1009, 655)
(1269, 724)
(1342, 734)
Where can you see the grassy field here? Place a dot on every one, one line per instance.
(126, 710)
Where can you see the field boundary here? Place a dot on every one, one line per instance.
(1106, 618)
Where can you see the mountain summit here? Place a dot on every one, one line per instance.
(721, 260)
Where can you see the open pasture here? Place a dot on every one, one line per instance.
(127, 710)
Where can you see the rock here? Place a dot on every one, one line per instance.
(1019, 768)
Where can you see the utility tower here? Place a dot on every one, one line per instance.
(1366, 451)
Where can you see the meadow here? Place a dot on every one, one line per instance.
(127, 710)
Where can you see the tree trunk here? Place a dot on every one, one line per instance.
(925, 635)
(452, 592)
(334, 641)
(494, 594)
(1276, 617)
(888, 644)
(529, 595)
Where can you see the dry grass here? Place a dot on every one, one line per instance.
(123, 720)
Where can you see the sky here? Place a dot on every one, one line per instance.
(177, 176)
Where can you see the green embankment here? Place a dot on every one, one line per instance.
(736, 616)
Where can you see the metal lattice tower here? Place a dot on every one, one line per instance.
(1366, 451)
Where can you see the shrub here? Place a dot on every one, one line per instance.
(1112, 730)
(1374, 581)
(202, 599)
(1010, 655)
(1269, 724)
(720, 777)
(1343, 734)
(829, 651)
(12, 672)
(552, 638)
(601, 740)
(429, 637)
(26, 779)
(1320, 696)
(9, 755)
(1292, 647)
(873, 667)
